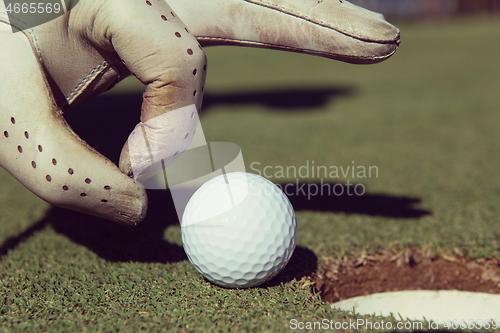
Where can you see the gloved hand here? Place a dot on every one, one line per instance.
(47, 70)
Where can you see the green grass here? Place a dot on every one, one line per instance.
(427, 118)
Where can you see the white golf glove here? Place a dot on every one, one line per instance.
(48, 69)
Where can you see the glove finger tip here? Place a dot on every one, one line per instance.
(130, 210)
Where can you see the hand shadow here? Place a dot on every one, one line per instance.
(280, 100)
(106, 121)
(111, 241)
(145, 242)
(341, 198)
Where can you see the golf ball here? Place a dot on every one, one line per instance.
(239, 230)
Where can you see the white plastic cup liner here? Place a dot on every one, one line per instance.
(438, 306)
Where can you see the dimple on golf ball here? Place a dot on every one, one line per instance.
(239, 230)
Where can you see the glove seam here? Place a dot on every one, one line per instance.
(310, 19)
(27, 32)
(22, 27)
(4, 17)
(100, 69)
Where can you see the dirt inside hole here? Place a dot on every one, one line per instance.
(339, 279)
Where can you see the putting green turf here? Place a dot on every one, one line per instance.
(427, 118)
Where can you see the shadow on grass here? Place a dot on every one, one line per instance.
(295, 100)
(112, 241)
(106, 121)
(142, 243)
(303, 263)
(341, 198)
(145, 243)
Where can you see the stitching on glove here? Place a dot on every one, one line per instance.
(27, 32)
(34, 42)
(102, 68)
(293, 49)
(22, 25)
(304, 17)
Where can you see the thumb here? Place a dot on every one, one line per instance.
(41, 151)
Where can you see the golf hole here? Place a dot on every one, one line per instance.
(412, 284)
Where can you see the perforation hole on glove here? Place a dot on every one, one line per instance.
(39, 165)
